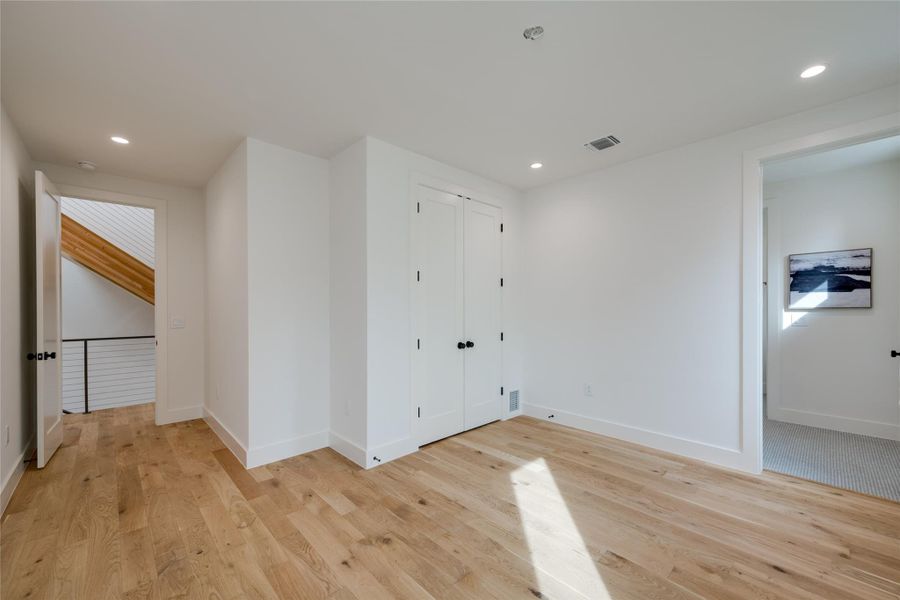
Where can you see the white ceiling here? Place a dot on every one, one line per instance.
(833, 160)
(454, 81)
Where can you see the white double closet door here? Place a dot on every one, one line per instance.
(457, 328)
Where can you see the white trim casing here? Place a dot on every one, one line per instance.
(835, 422)
(751, 265)
(161, 276)
(15, 476)
(390, 451)
(176, 415)
(720, 456)
(347, 449)
(269, 453)
(231, 442)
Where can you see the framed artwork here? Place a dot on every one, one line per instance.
(836, 279)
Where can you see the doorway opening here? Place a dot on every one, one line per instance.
(831, 311)
(108, 295)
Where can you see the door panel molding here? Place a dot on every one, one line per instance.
(48, 317)
(426, 194)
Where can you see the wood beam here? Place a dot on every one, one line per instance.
(107, 260)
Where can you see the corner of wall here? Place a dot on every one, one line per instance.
(347, 449)
(225, 435)
(12, 479)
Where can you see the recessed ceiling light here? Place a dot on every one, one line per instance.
(813, 71)
(119, 139)
(537, 165)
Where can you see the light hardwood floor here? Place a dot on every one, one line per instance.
(519, 509)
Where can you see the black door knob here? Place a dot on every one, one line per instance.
(31, 356)
(470, 344)
(461, 346)
(50, 355)
(894, 354)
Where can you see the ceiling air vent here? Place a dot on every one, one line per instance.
(603, 143)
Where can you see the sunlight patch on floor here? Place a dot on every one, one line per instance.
(558, 552)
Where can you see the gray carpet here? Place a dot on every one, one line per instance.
(846, 460)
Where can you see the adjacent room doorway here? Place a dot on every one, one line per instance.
(108, 297)
(832, 310)
(100, 305)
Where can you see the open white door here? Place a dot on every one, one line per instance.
(48, 350)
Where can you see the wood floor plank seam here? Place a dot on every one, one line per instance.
(516, 509)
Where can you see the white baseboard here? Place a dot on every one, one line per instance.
(176, 415)
(374, 457)
(347, 449)
(15, 476)
(513, 414)
(230, 441)
(888, 431)
(263, 455)
(725, 457)
(390, 451)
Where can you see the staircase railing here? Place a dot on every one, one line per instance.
(133, 372)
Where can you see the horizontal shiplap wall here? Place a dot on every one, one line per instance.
(120, 373)
(128, 227)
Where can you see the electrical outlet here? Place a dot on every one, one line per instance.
(588, 390)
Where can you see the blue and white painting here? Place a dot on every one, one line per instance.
(839, 279)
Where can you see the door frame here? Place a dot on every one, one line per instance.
(421, 179)
(160, 275)
(752, 288)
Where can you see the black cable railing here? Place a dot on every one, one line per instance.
(85, 342)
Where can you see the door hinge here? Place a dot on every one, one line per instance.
(418, 343)
(419, 411)
(501, 390)
(501, 282)
(501, 227)
(501, 336)
(418, 207)
(418, 275)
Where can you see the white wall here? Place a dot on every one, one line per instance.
(389, 174)
(832, 368)
(227, 319)
(185, 353)
(288, 301)
(93, 306)
(16, 306)
(267, 220)
(348, 301)
(633, 287)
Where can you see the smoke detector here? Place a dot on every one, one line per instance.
(533, 33)
(603, 143)
(87, 165)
